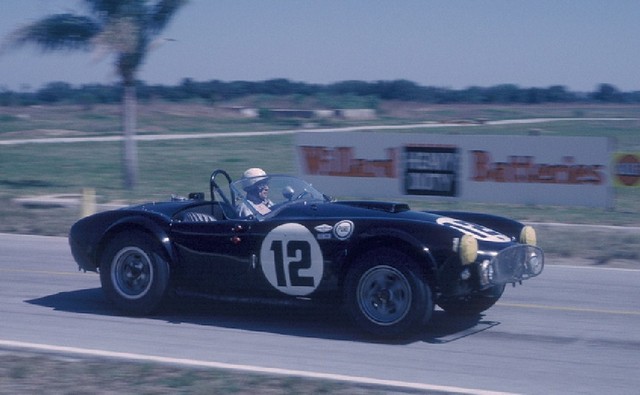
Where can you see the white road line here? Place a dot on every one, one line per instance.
(244, 368)
(592, 226)
(619, 269)
(157, 137)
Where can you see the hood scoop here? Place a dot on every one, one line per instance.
(388, 207)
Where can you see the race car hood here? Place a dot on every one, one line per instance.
(389, 207)
(485, 228)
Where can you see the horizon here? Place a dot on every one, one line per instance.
(79, 86)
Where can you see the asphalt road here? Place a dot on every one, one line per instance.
(571, 330)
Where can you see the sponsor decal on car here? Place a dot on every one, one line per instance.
(323, 232)
(324, 228)
(343, 230)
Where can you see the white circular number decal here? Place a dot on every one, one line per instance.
(478, 231)
(291, 259)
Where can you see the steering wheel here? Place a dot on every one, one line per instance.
(302, 194)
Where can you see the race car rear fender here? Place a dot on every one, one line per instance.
(140, 223)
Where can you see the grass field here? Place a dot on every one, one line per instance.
(182, 166)
(31, 372)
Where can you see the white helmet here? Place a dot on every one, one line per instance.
(253, 176)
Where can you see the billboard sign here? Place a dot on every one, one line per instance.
(508, 169)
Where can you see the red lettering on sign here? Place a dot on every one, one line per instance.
(341, 162)
(524, 169)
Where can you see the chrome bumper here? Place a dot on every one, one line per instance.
(511, 265)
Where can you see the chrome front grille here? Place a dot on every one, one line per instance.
(511, 265)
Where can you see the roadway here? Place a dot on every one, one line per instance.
(571, 330)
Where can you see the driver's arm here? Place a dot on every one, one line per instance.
(244, 210)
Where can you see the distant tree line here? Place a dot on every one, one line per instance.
(400, 90)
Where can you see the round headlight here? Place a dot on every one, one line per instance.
(468, 249)
(535, 262)
(528, 236)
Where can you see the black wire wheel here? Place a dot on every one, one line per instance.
(385, 296)
(133, 274)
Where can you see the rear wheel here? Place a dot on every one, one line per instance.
(133, 273)
(472, 304)
(384, 294)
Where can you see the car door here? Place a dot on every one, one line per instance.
(212, 256)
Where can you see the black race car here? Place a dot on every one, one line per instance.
(388, 265)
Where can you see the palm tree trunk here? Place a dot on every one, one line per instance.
(129, 149)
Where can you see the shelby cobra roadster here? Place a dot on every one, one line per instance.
(385, 263)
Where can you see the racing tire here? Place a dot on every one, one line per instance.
(385, 296)
(472, 304)
(133, 273)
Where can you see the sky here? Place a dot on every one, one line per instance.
(451, 44)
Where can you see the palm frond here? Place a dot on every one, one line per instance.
(56, 32)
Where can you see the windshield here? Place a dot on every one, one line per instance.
(263, 196)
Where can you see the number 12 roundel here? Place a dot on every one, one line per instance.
(291, 259)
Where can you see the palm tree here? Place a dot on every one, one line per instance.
(125, 29)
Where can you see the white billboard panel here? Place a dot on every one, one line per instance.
(507, 169)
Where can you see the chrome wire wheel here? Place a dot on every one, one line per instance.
(384, 295)
(132, 273)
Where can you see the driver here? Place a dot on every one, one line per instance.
(257, 189)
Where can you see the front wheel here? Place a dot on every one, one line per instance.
(133, 273)
(385, 296)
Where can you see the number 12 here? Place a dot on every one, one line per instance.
(295, 248)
